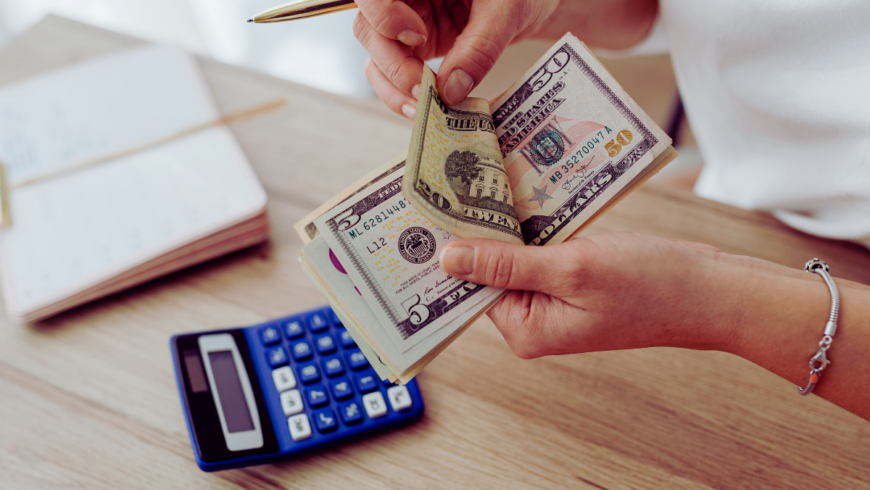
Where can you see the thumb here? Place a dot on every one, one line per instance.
(503, 265)
(490, 29)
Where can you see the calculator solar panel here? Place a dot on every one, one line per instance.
(282, 388)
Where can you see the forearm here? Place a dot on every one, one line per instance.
(783, 318)
(610, 24)
(616, 291)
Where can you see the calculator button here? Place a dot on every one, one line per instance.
(299, 427)
(335, 319)
(375, 406)
(317, 396)
(333, 366)
(270, 335)
(345, 338)
(276, 356)
(350, 412)
(356, 359)
(341, 389)
(317, 322)
(284, 379)
(325, 344)
(291, 402)
(399, 397)
(301, 351)
(325, 420)
(366, 383)
(309, 373)
(294, 329)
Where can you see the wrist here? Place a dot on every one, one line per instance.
(716, 304)
(731, 295)
(781, 322)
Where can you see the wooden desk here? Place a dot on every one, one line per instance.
(88, 398)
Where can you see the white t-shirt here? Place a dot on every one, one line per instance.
(778, 95)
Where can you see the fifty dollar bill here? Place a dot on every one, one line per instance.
(535, 165)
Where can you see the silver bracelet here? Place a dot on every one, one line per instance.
(820, 361)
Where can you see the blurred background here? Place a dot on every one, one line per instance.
(322, 52)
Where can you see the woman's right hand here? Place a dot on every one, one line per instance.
(471, 35)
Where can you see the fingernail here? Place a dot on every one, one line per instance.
(458, 86)
(411, 38)
(458, 260)
(409, 111)
(415, 91)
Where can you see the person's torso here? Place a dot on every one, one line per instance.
(778, 95)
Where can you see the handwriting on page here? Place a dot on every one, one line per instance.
(73, 232)
(42, 137)
(95, 109)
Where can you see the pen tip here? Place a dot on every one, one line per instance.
(250, 20)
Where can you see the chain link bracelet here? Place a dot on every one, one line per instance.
(820, 360)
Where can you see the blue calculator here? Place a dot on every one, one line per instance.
(283, 388)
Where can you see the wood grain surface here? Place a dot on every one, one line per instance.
(88, 398)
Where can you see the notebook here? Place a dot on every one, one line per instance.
(87, 233)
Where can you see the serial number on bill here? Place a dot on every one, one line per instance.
(613, 147)
(372, 221)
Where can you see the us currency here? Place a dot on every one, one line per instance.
(330, 276)
(305, 227)
(391, 254)
(561, 144)
(454, 174)
(314, 259)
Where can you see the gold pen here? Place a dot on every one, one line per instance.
(302, 10)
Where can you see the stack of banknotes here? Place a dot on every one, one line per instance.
(533, 167)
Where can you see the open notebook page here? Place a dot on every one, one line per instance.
(80, 229)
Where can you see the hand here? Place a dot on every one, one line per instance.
(603, 292)
(399, 35)
(627, 291)
(471, 34)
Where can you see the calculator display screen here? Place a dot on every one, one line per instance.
(195, 374)
(229, 388)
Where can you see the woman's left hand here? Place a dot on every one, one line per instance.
(606, 292)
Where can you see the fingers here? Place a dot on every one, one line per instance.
(397, 62)
(510, 266)
(491, 27)
(535, 324)
(512, 317)
(395, 20)
(397, 101)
